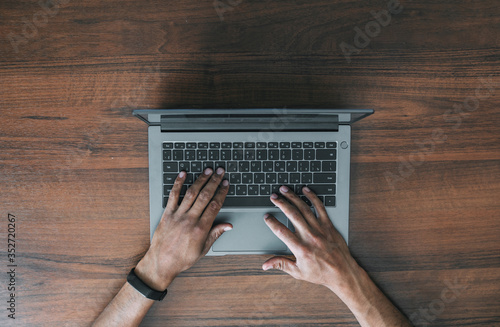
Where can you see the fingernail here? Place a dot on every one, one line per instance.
(227, 228)
(274, 196)
(307, 189)
(266, 216)
(225, 182)
(182, 174)
(220, 171)
(266, 268)
(284, 189)
(208, 171)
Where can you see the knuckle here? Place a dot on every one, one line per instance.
(190, 193)
(214, 205)
(204, 196)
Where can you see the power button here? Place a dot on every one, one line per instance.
(344, 145)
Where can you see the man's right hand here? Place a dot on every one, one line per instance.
(322, 257)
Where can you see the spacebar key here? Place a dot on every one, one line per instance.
(248, 201)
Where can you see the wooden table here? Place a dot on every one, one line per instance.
(425, 167)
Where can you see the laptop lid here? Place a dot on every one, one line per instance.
(250, 119)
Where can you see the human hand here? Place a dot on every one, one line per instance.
(321, 254)
(185, 232)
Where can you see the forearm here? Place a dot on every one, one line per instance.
(369, 305)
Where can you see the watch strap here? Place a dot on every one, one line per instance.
(144, 289)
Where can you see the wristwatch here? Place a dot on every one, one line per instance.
(144, 289)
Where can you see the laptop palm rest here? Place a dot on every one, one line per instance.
(250, 233)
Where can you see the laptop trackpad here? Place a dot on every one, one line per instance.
(250, 233)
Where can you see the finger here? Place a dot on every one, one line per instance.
(207, 192)
(283, 264)
(192, 192)
(304, 209)
(291, 212)
(213, 208)
(282, 232)
(318, 205)
(173, 197)
(214, 234)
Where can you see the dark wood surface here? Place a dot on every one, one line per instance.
(74, 167)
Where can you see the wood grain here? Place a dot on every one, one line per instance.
(74, 170)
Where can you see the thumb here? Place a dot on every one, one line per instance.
(281, 263)
(214, 234)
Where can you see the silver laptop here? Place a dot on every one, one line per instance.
(260, 149)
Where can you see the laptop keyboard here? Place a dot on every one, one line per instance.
(255, 170)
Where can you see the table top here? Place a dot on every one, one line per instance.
(424, 208)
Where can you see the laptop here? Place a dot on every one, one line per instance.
(260, 149)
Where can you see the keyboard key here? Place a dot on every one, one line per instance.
(249, 144)
(279, 166)
(248, 201)
(190, 179)
(259, 178)
(255, 166)
(180, 145)
(247, 178)
(184, 165)
(215, 145)
(261, 154)
(238, 145)
(274, 154)
(208, 164)
(261, 145)
(226, 145)
(324, 178)
(283, 178)
(270, 178)
(323, 189)
(319, 145)
(241, 190)
(295, 178)
(190, 155)
(272, 145)
(307, 145)
(285, 145)
(331, 145)
(196, 167)
(296, 145)
(285, 154)
(329, 166)
(249, 154)
(306, 200)
(203, 145)
(291, 166)
(309, 154)
(297, 154)
(253, 189)
(168, 145)
(225, 154)
(244, 166)
(178, 155)
(265, 190)
(220, 164)
(237, 155)
(170, 167)
(213, 154)
(327, 154)
(167, 155)
(169, 178)
(329, 201)
(303, 166)
(306, 178)
(191, 145)
(267, 166)
(201, 155)
(315, 166)
(232, 190)
(235, 178)
(232, 166)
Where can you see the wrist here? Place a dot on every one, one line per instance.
(149, 272)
